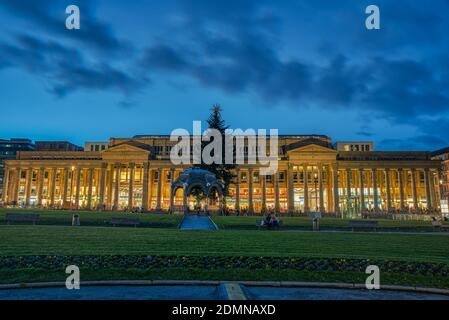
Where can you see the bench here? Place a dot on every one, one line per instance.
(15, 217)
(363, 224)
(124, 222)
(438, 225)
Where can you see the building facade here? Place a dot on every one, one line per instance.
(57, 146)
(312, 176)
(355, 146)
(8, 150)
(443, 156)
(95, 146)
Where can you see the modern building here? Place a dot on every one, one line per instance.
(443, 156)
(312, 176)
(95, 146)
(355, 146)
(8, 149)
(57, 146)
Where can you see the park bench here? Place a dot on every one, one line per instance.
(124, 222)
(15, 217)
(363, 224)
(439, 226)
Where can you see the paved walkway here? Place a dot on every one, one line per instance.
(226, 291)
(193, 222)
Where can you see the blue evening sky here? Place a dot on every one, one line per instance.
(304, 67)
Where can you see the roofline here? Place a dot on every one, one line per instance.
(440, 151)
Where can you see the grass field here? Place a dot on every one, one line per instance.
(55, 237)
(58, 240)
(305, 223)
(91, 218)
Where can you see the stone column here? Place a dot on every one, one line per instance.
(237, 191)
(110, 182)
(348, 187)
(427, 186)
(5, 185)
(306, 187)
(291, 190)
(28, 186)
(387, 182)
(53, 186)
(336, 196)
(159, 189)
(131, 185)
(117, 185)
(276, 193)
(78, 183)
(16, 184)
(414, 189)
(172, 196)
(250, 191)
(90, 177)
(145, 187)
(401, 187)
(375, 191)
(264, 193)
(320, 186)
(362, 190)
(184, 200)
(102, 186)
(40, 185)
(65, 186)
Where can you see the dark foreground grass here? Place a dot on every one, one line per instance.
(66, 241)
(305, 223)
(411, 249)
(95, 218)
(41, 275)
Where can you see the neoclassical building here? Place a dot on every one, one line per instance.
(312, 176)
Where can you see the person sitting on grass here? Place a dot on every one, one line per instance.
(274, 221)
(267, 221)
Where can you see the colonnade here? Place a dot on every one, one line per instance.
(296, 187)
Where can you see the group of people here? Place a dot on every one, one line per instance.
(271, 221)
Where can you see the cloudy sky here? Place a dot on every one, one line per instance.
(304, 67)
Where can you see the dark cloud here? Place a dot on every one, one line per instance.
(50, 16)
(65, 69)
(399, 73)
(417, 143)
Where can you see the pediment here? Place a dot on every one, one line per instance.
(127, 152)
(125, 148)
(311, 153)
(312, 148)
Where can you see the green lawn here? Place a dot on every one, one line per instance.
(410, 250)
(58, 240)
(305, 223)
(94, 218)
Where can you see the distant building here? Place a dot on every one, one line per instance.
(57, 146)
(312, 177)
(95, 146)
(355, 146)
(443, 156)
(8, 150)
